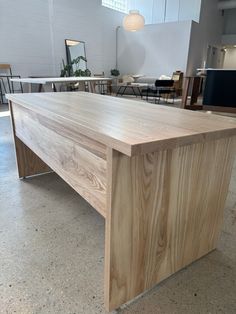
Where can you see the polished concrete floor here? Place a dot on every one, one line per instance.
(52, 253)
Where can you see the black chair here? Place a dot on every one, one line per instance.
(161, 88)
(6, 85)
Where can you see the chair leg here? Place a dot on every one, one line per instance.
(123, 91)
(134, 92)
(118, 91)
(1, 93)
(3, 90)
(147, 96)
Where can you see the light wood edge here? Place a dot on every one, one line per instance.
(220, 109)
(151, 147)
(136, 149)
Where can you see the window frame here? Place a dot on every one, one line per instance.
(111, 4)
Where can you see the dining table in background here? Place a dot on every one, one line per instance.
(53, 81)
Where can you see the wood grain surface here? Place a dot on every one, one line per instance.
(28, 163)
(80, 165)
(128, 126)
(165, 211)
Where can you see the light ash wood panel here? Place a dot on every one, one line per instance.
(131, 127)
(79, 167)
(165, 211)
(69, 132)
(28, 163)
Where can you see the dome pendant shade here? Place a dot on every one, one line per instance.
(133, 21)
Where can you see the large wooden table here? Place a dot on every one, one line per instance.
(41, 81)
(158, 175)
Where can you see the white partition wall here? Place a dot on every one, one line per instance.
(155, 50)
(230, 58)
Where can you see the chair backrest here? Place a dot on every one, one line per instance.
(5, 76)
(6, 68)
(178, 77)
(164, 83)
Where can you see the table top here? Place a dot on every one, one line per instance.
(131, 127)
(131, 85)
(47, 80)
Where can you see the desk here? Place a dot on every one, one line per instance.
(158, 175)
(91, 80)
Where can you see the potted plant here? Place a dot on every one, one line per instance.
(115, 73)
(68, 69)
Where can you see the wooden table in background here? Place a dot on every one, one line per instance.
(91, 80)
(158, 175)
(192, 86)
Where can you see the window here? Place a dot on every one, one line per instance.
(118, 5)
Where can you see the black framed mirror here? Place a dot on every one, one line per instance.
(74, 50)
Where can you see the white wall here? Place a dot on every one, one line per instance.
(229, 29)
(25, 36)
(207, 32)
(228, 40)
(230, 58)
(229, 21)
(32, 34)
(155, 50)
(158, 11)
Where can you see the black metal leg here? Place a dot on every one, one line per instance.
(140, 93)
(9, 85)
(40, 88)
(1, 93)
(119, 89)
(12, 87)
(3, 90)
(54, 87)
(123, 91)
(134, 91)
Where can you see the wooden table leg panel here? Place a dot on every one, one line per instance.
(165, 211)
(28, 163)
